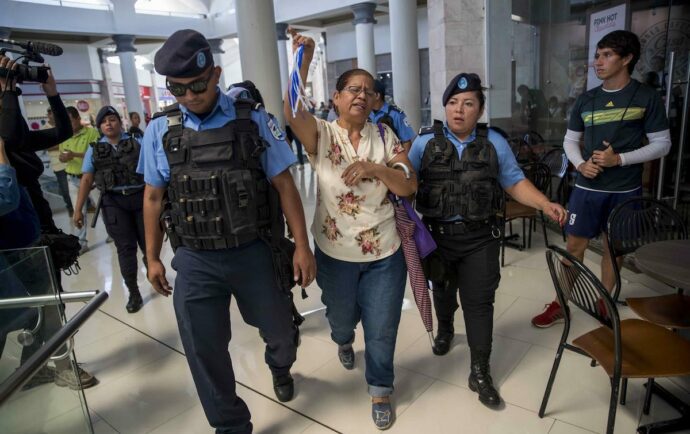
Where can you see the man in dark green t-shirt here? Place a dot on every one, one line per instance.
(613, 119)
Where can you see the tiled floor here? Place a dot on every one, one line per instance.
(145, 385)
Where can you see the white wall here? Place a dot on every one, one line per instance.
(341, 39)
(78, 62)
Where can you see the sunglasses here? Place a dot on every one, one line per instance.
(196, 86)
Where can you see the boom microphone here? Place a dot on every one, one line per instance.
(39, 47)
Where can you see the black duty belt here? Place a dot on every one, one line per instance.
(217, 243)
(460, 227)
(126, 191)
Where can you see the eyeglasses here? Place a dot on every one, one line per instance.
(354, 90)
(197, 86)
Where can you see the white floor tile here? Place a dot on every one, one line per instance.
(565, 428)
(444, 408)
(147, 397)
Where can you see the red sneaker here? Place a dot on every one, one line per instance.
(601, 309)
(553, 314)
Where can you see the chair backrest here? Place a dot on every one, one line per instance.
(558, 164)
(639, 221)
(539, 174)
(576, 285)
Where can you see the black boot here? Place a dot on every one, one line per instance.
(443, 339)
(135, 302)
(284, 387)
(480, 380)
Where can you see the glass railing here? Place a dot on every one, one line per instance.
(40, 383)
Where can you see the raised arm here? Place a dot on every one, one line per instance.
(303, 124)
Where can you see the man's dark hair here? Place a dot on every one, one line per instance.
(132, 114)
(623, 43)
(73, 112)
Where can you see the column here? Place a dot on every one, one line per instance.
(364, 35)
(253, 18)
(281, 28)
(217, 50)
(456, 44)
(125, 51)
(405, 58)
(155, 98)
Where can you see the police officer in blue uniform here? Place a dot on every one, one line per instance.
(391, 115)
(463, 166)
(214, 159)
(111, 163)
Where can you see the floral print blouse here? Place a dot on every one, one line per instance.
(356, 223)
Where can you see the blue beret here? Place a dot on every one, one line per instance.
(105, 111)
(185, 54)
(462, 82)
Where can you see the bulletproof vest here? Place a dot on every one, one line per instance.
(450, 186)
(116, 167)
(388, 120)
(218, 191)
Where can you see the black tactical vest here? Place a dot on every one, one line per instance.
(116, 167)
(451, 186)
(218, 191)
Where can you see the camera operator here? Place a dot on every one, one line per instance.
(21, 143)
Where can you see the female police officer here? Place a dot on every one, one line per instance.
(112, 163)
(462, 167)
(214, 156)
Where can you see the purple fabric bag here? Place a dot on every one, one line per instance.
(422, 237)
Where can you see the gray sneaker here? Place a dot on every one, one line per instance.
(382, 414)
(346, 355)
(44, 375)
(67, 378)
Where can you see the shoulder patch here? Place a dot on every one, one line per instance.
(406, 122)
(276, 132)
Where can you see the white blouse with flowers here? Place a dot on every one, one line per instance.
(355, 223)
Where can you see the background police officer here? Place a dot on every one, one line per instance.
(391, 115)
(111, 163)
(462, 167)
(213, 156)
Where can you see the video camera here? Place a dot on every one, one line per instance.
(29, 52)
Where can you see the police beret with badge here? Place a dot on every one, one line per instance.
(185, 54)
(462, 82)
(105, 111)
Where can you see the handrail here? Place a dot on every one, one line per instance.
(46, 300)
(40, 357)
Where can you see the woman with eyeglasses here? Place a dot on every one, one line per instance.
(360, 265)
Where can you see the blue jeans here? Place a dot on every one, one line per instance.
(373, 293)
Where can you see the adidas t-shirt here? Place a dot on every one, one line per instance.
(599, 118)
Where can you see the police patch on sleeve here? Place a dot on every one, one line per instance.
(275, 129)
(406, 122)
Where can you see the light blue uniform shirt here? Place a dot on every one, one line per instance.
(400, 123)
(88, 167)
(153, 163)
(509, 173)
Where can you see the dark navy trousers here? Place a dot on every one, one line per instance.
(124, 221)
(206, 280)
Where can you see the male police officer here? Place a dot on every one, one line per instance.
(111, 162)
(391, 115)
(214, 156)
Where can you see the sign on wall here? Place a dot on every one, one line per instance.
(599, 24)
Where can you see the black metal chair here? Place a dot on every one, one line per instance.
(636, 222)
(540, 175)
(631, 348)
(558, 163)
